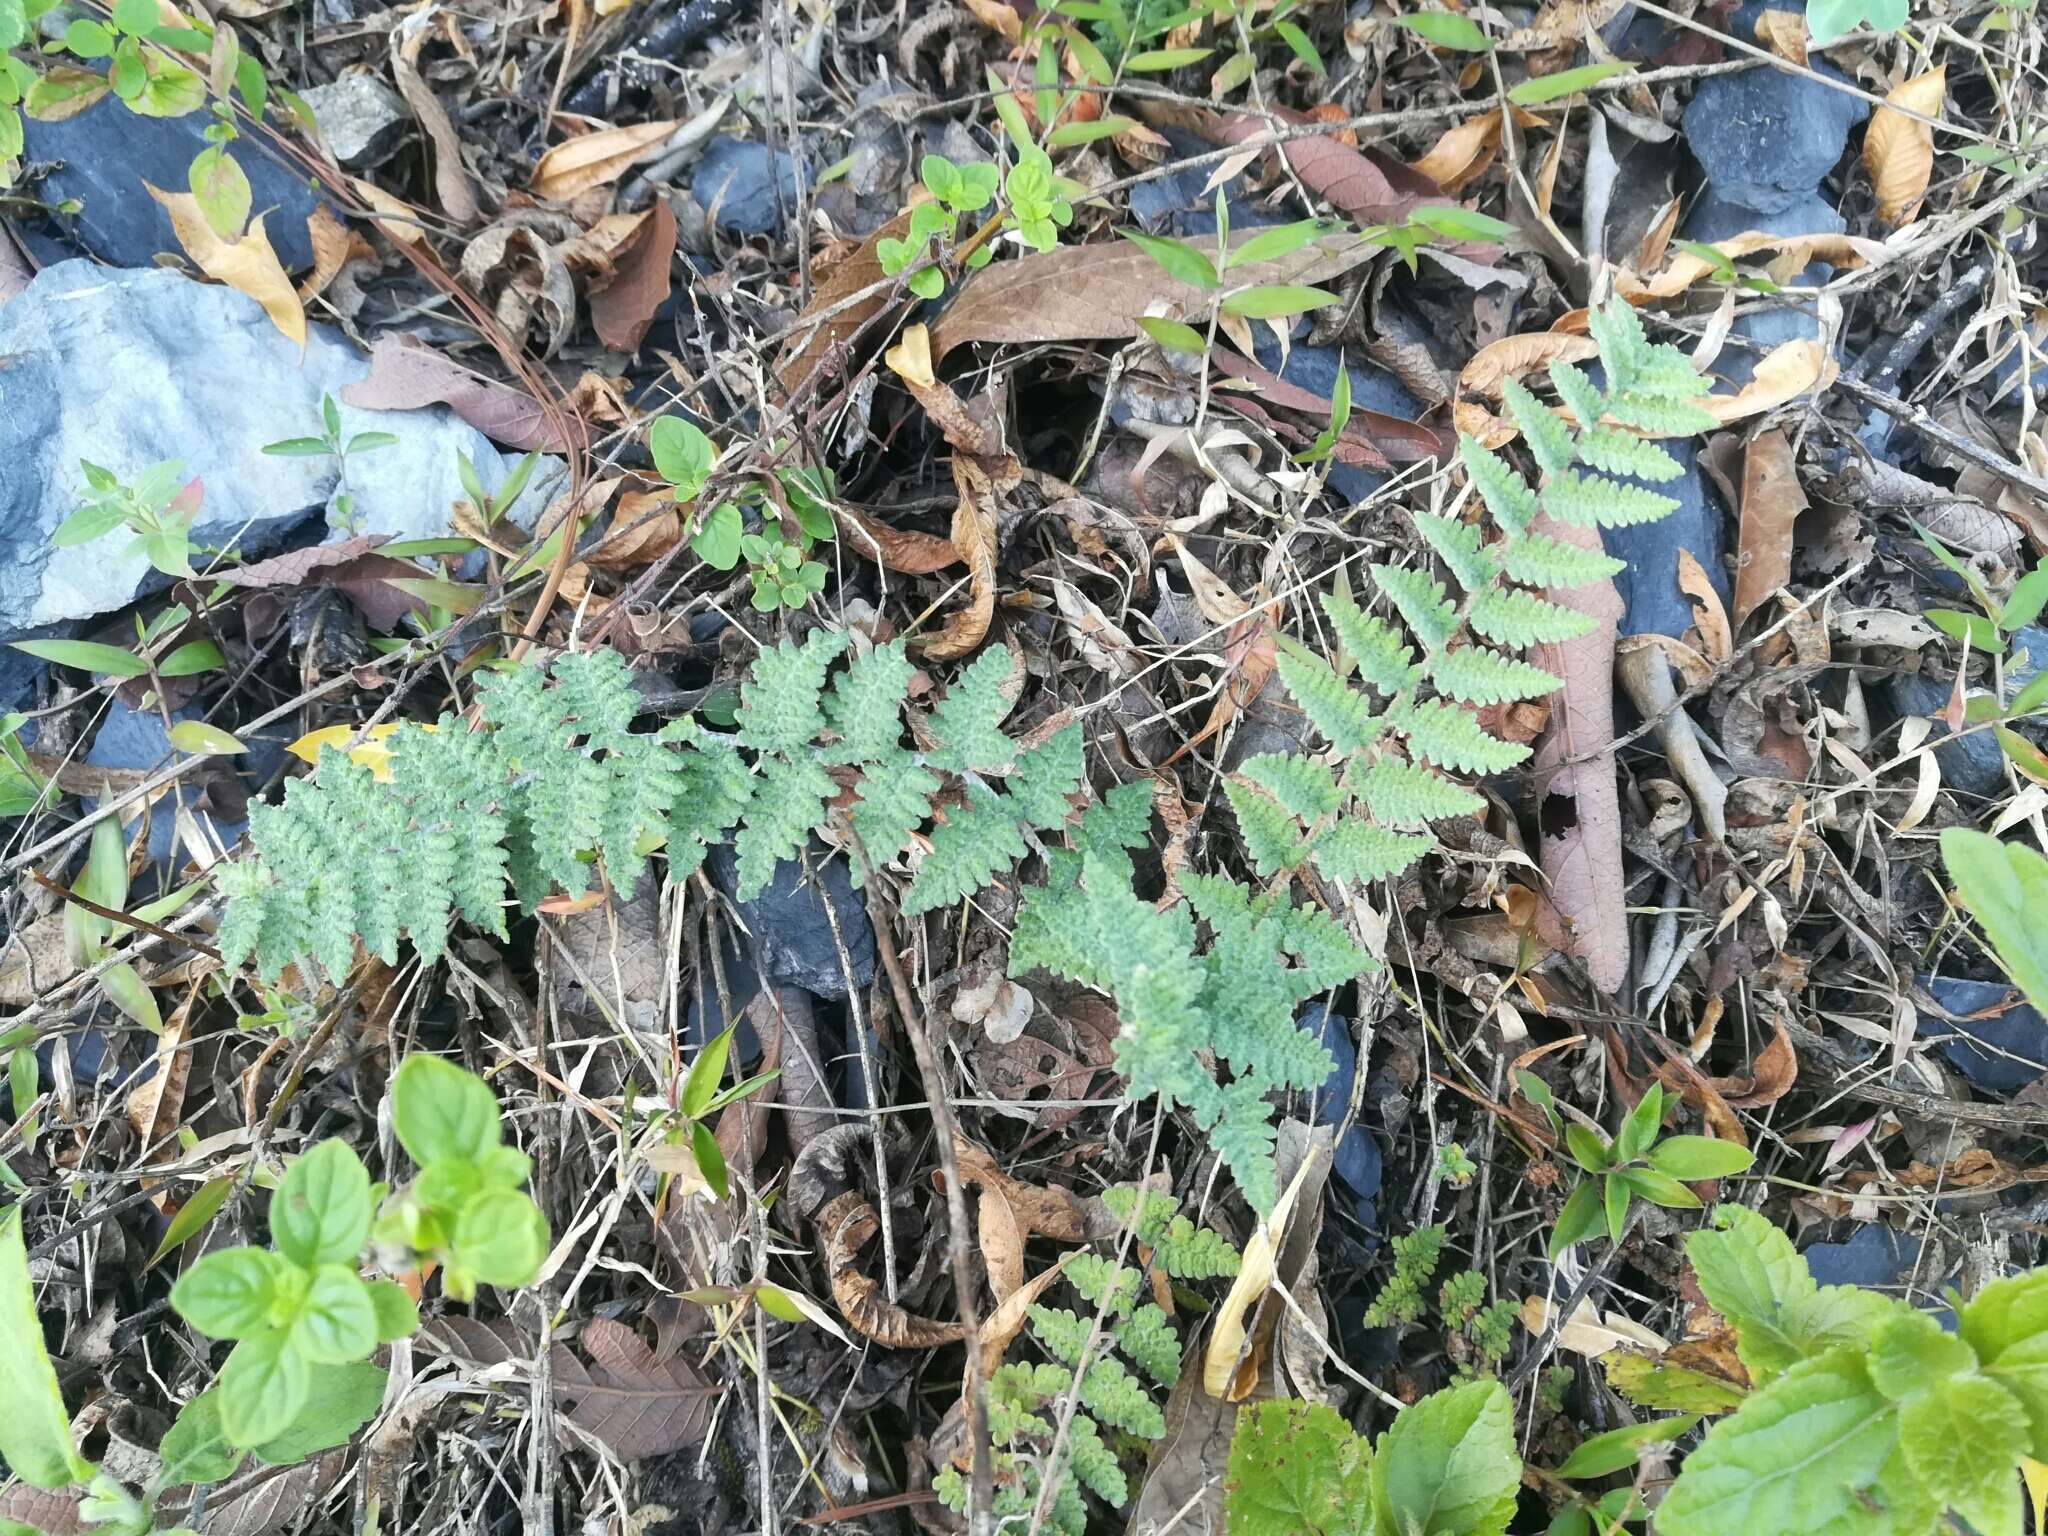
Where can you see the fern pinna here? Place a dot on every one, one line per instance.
(1234, 1003)
(553, 778)
(1363, 814)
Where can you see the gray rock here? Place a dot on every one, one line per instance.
(788, 930)
(745, 187)
(1998, 1052)
(127, 368)
(1649, 586)
(137, 740)
(1373, 388)
(1715, 217)
(361, 118)
(1766, 139)
(1972, 764)
(101, 158)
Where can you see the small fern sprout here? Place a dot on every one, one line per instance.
(1404, 723)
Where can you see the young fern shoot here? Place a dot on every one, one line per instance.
(1410, 720)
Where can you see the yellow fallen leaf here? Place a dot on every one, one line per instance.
(247, 265)
(372, 754)
(1789, 256)
(1587, 1333)
(1787, 371)
(2036, 1478)
(1254, 1273)
(1898, 151)
(911, 358)
(594, 159)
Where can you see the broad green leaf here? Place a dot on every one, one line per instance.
(1586, 1147)
(1448, 1466)
(193, 1215)
(337, 1321)
(345, 1398)
(1963, 1437)
(1805, 1454)
(1618, 1448)
(86, 656)
(191, 659)
(1296, 1467)
(1640, 1128)
(1579, 1219)
(2005, 886)
(1277, 300)
(710, 1158)
(35, 1432)
(321, 1211)
(202, 740)
(682, 454)
(91, 521)
(1462, 224)
(1446, 30)
(1566, 82)
(706, 1072)
(1176, 258)
(127, 991)
(219, 186)
(1750, 1273)
(265, 1383)
(501, 1238)
(1659, 1189)
(717, 539)
(1272, 244)
(195, 1448)
(397, 1316)
(1178, 337)
(1980, 632)
(440, 1112)
(2006, 1323)
(227, 1294)
(1909, 1353)
(1699, 1157)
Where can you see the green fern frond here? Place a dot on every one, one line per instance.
(1506, 495)
(1148, 1338)
(780, 700)
(1423, 604)
(1450, 736)
(1375, 648)
(1594, 501)
(895, 797)
(1473, 674)
(865, 706)
(1623, 453)
(1042, 784)
(1666, 418)
(1458, 545)
(1332, 706)
(1401, 794)
(969, 846)
(1550, 441)
(1189, 1252)
(1064, 1334)
(967, 725)
(1271, 834)
(1119, 1399)
(1112, 1287)
(787, 804)
(1624, 348)
(1578, 393)
(1096, 1466)
(1522, 619)
(1358, 852)
(1300, 784)
(1538, 560)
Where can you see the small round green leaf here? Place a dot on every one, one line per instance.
(441, 1112)
(337, 1322)
(501, 1238)
(203, 740)
(227, 1294)
(264, 1384)
(321, 1211)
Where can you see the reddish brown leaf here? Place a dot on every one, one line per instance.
(1771, 504)
(406, 374)
(1401, 442)
(902, 550)
(622, 310)
(638, 1404)
(1374, 186)
(1086, 292)
(825, 327)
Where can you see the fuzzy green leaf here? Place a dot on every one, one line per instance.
(1272, 835)
(1404, 794)
(1382, 658)
(1448, 1466)
(1506, 494)
(1474, 674)
(1522, 619)
(1357, 852)
(1550, 441)
(1296, 1469)
(1459, 546)
(1421, 602)
(1343, 715)
(1449, 736)
(1538, 560)
(1594, 501)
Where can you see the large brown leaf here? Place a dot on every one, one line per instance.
(824, 325)
(1374, 186)
(1771, 503)
(638, 1404)
(406, 374)
(1578, 799)
(621, 311)
(1098, 291)
(1898, 151)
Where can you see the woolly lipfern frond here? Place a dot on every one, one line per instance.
(1360, 816)
(553, 782)
(1233, 1003)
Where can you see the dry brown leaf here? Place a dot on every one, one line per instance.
(1789, 256)
(403, 223)
(1784, 33)
(648, 525)
(247, 265)
(1578, 802)
(334, 245)
(623, 309)
(451, 177)
(1001, 1327)
(1230, 1335)
(1771, 1074)
(824, 326)
(844, 1225)
(1788, 371)
(406, 374)
(1657, 238)
(1463, 153)
(1010, 1213)
(1098, 290)
(1715, 640)
(1898, 151)
(1771, 503)
(595, 159)
(34, 961)
(157, 1104)
(638, 1404)
(1588, 1333)
(902, 550)
(1513, 356)
(1370, 184)
(1002, 19)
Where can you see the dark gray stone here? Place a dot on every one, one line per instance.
(1767, 139)
(1876, 1257)
(1357, 1161)
(1373, 388)
(745, 187)
(136, 740)
(128, 368)
(1715, 217)
(361, 118)
(102, 157)
(1972, 764)
(787, 930)
(1649, 586)
(2011, 1048)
